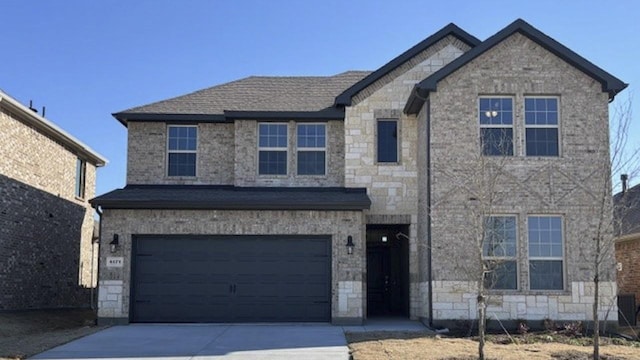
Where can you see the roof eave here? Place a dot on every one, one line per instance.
(53, 130)
(230, 115)
(199, 205)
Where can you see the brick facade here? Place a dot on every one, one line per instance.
(566, 186)
(347, 270)
(48, 257)
(447, 130)
(627, 253)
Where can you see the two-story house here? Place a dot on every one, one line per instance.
(339, 198)
(48, 256)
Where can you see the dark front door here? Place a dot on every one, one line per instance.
(387, 272)
(231, 278)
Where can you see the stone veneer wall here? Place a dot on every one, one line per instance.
(393, 188)
(246, 157)
(347, 303)
(48, 259)
(570, 185)
(147, 154)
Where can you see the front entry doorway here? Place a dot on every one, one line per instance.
(387, 270)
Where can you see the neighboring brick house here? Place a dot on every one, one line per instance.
(307, 198)
(627, 244)
(48, 257)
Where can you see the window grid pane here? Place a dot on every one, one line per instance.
(497, 141)
(311, 162)
(182, 164)
(311, 135)
(502, 275)
(387, 141)
(273, 136)
(272, 163)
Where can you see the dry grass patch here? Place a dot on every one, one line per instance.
(26, 333)
(408, 345)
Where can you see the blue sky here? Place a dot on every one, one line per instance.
(84, 60)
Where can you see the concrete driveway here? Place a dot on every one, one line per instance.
(208, 341)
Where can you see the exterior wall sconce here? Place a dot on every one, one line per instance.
(384, 239)
(350, 245)
(115, 243)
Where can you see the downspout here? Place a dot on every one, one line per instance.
(93, 302)
(429, 265)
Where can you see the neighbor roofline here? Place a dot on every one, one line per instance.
(628, 237)
(610, 83)
(230, 115)
(52, 130)
(344, 99)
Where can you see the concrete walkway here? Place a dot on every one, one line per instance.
(162, 341)
(222, 341)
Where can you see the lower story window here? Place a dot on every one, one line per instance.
(545, 253)
(499, 253)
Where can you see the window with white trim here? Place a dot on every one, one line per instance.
(541, 126)
(499, 252)
(495, 115)
(81, 171)
(272, 148)
(181, 150)
(312, 149)
(545, 253)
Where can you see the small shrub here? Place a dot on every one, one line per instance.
(573, 329)
(523, 328)
(549, 324)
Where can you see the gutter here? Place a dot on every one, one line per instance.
(429, 262)
(94, 305)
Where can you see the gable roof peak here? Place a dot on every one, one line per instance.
(610, 83)
(344, 99)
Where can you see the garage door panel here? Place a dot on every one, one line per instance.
(231, 278)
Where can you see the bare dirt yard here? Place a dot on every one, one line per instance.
(26, 333)
(407, 345)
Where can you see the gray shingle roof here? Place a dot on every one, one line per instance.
(627, 211)
(257, 93)
(233, 198)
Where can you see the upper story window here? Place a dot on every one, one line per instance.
(181, 150)
(387, 133)
(499, 251)
(81, 173)
(312, 149)
(541, 126)
(545, 253)
(496, 125)
(272, 149)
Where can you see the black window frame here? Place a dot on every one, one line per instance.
(81, 178)
(383, 142)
